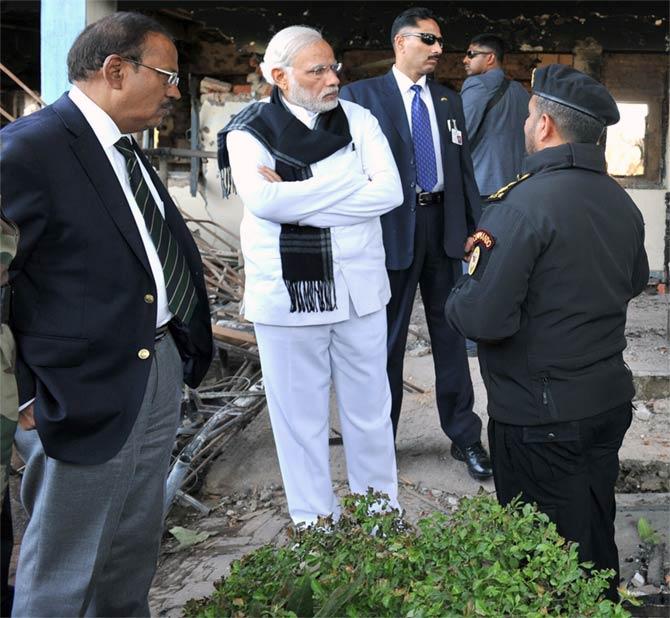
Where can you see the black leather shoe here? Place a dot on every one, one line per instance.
(476, 458)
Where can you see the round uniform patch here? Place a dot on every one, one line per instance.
(474, 260)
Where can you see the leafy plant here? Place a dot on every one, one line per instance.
(484, 560)
(646, 533)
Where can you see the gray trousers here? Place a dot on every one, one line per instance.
(91, 545)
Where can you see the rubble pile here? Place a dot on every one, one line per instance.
(232, 393)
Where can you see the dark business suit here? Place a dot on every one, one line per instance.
(106, 394)
(424, 246)
(80, 279)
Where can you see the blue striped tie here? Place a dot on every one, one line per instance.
(178, 284)
(424, 150)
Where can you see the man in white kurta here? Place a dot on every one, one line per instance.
(302, 352)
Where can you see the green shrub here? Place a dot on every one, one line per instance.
(484, 560)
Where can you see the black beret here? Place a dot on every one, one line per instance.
(570, 87)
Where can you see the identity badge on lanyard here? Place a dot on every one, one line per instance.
(456, 135)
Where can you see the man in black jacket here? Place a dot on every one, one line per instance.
(557, 257)
(110, 315)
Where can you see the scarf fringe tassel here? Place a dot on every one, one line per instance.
(227, 184)
(311, 296)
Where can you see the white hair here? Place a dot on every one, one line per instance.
(284, 46)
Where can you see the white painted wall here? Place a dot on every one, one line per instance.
(652, 204)
(210, 204)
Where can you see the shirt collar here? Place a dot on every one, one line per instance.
(584, 156)
(405, 83)
(103, 126)
(302, 114)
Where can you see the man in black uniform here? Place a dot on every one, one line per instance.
(556, 259)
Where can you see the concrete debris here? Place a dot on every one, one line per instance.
(642, 412)
(209, 85)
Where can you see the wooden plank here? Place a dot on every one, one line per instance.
(233, 335)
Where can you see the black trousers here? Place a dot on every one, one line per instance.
(569, 469)
(435, 274)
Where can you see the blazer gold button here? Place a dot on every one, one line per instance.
(144, 354)
(149, 298)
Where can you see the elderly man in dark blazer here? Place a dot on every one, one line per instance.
(427, 237)
(110, 315)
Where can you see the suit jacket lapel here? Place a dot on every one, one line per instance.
(395, 109)
(442, 114)
(96, 165)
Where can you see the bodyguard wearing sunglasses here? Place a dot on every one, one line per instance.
(495, 110)
(428, 236)
(110, 315)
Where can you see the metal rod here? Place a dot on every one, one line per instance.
(34, 95)
(163, 170)
(7, 115)
(180, 152)
(195, 133)
(191, 501)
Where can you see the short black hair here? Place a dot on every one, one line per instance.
(120, 33)
(494, 42)
(410, 17)
(574, 126)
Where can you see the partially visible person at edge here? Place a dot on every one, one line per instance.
(557, 257)
(495, 109)
(110, 315)
(315, 174)
(427, 237)
(9, 407)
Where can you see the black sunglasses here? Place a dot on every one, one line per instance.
(426, 37)
(471, 54)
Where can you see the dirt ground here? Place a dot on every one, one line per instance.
(244, 484)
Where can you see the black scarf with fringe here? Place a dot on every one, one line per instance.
(306, 252)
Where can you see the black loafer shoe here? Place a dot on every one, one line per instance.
(476, 458)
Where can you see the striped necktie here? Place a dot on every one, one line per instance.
(178, 284)
(422, 137)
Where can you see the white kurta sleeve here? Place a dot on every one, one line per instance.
(288, 202)
(383, 191)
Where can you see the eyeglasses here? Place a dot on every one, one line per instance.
(471, 54)
(321, 69)
(172, 76)
(426, 37)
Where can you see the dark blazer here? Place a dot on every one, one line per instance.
(81, 309)
(382, 97)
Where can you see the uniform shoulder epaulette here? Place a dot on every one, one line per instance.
(503, 191)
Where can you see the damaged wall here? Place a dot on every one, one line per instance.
(624, 44)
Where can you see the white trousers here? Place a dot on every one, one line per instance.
(298, 365)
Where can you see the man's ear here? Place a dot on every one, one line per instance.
(113, 71)
(547, 129)
(280, 78)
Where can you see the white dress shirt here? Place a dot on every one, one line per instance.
(405, 84)
(348, 191)
(108, 134)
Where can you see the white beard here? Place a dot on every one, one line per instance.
(300, 96)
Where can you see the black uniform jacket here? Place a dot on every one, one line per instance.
(82, 310)
(558, 257)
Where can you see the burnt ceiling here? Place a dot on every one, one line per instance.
(541, 26)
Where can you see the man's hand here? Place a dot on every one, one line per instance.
(27, 418)
(469, 243)
(268, 174)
